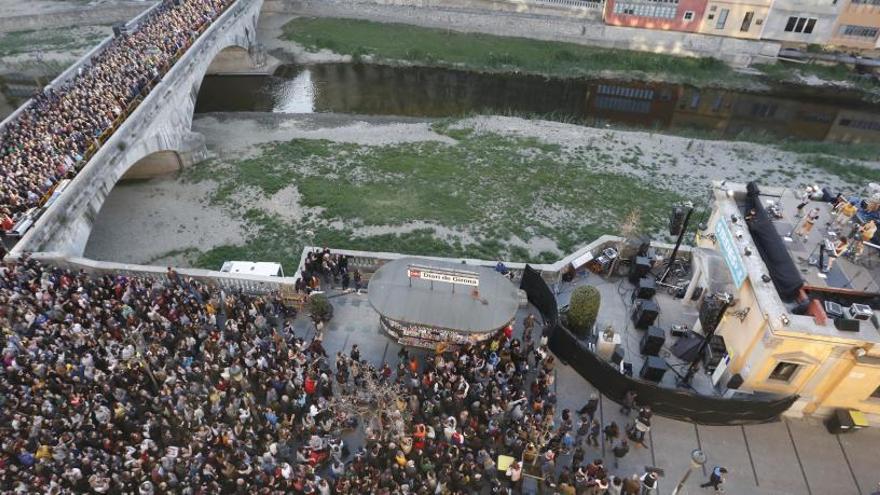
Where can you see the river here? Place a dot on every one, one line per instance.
(801, 113)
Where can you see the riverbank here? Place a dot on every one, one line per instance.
(485, 187)
(404, 44)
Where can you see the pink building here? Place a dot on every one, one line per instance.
(674, 15)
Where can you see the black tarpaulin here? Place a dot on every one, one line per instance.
(771, 247)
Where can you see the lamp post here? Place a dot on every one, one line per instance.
(698, 458)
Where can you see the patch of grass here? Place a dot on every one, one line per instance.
(401, 42)
(845, 169)
(786, 72)
(487, 187)
(18, 42)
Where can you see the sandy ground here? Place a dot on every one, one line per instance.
(179, 218)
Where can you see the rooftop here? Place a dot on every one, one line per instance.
(850, 280)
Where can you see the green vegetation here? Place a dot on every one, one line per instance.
(845, 169)
(438, 47)
(18, 42)
(320, 309)
(785, 72)
(481, 197)
(583, 308)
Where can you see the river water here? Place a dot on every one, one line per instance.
(798, 112)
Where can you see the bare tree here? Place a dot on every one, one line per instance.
(381, 406)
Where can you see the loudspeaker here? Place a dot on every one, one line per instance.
(652, 341)
(618, 354)
(644, 313)
(644, 246)
(653, 369)
(735, 381)
(628, 369)
(676, 219)
(711, 311)
(697, 293)
(847, 324)
(645, 289)
(639, 268)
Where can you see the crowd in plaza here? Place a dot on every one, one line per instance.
(119, 384)
(50, 139)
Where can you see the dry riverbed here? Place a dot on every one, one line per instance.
(277, 182)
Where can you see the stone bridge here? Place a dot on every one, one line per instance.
(155, 138)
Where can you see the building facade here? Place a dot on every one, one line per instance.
(802, 22)
(772, 349)
(858, 25)
(735, 19)
(674, 15)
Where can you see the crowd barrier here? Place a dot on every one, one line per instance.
(678, 404)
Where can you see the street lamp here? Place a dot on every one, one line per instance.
(698, 458)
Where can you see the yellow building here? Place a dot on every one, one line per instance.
(737, 19)
(851, 126)
(770, 347)
(858, 25)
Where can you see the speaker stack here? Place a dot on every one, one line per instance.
(652, 341)
(639, 269)
(653, 369)
(711, 311)
(645, 312)
(645, 289)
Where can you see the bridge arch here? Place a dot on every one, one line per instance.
(157, 136)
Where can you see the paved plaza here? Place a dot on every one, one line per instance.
(788, 457)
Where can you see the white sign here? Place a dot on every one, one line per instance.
(447, 276)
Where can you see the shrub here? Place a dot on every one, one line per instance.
(320, 308)
(583, 310)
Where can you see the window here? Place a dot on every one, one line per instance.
(650, 8)
(876, 394)
(710, 16)
(784, 371)
(689, 16)
(747, 22)
(859, 31)
(800, 25)
(867, 2)
(867, 125)
(722, 19)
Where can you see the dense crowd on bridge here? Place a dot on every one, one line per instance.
(118, 384)
(49, 139)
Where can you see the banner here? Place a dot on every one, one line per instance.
(447, 276)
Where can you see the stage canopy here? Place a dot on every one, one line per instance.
(457, 297)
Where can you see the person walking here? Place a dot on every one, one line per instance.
(593, 436)
(591, 406)
(629, 402)
(620, 450)
(716, 478)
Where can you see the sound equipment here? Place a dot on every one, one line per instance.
(860, 312)
(644, 313)
(628, 369)
(802, 307)
(652, 341)
(653, 369)
(714, 353)
(697, 293)
(676, 219)
(645, 289)
(678, 330)
(639, 268)
(847, 325)
(711, 311)
(833, 310)
(735, 381)
(618, 354)
(644, 247)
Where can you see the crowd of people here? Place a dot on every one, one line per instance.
(120, 384)
(50, 139)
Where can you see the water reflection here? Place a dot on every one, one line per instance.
(429, 92)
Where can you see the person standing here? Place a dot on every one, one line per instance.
(629, 402)
(809, 222)
(591, 406)
(649, 483)
(593, 435)
(620, 450)
(805, 200)
(716, 478)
